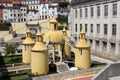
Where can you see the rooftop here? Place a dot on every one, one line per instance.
(110, 72)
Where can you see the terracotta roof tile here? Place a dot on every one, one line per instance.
(24, 5)
(15, 2)
(10, 1)
(84, 78)
(43, 2)
(63, 10)
(7, 7)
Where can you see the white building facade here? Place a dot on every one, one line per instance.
(13, 11)
(28, 10)
(100, 20)
(6, 14)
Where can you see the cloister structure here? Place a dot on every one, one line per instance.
(36, 53)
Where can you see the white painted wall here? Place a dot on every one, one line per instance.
(110, 19)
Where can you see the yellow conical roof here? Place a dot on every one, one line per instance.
(82, 43)
(54, 36)
(53, 20)
(39, 45)
(28, 39)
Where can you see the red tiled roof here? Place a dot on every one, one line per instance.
(43, 2)
(84, 78)
(63, 10)
(7, 7)
(32, 10)
(10, 1)
(52, 6)
(15, 2)
(24, 5)
(1, 6)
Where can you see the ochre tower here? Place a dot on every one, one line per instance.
(54, 36)
(82, 53)
(39, 55)
(67, 48)
(27, 46)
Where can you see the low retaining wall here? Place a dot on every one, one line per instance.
(69, 74)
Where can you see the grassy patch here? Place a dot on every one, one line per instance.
(16, 76)
(19, 77)
(4, 26)
(8, 59)
(97, 64)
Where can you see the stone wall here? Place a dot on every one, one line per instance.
(68, 74)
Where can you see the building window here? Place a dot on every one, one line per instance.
(37, 7)
(21, 19)
(14, 15)
(92, 12)
(112, 45)
(81, 52)
(85, 27)
(97, 43)
(76, 27)
(105, 10)
(24, 19)
(105, 44)
(10, 10)
(91, 28)
(76, 39)
(53, 13)
(86, 12)
(91, 41)
(75, 13)
(105, 28)
(114, 9)
(5, 16)
(113, 29)
(98, 28)
(80, 27)
(18, 15)
(18, 20)
(80, 12)
(98, 10)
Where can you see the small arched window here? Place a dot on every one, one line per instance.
(81, 52)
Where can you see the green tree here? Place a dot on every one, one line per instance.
(5, 26)
(62, 19)
(10, 50)
(63, 4)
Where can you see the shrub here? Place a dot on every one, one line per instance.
(5, 26)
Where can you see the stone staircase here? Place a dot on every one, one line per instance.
(62, 67)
